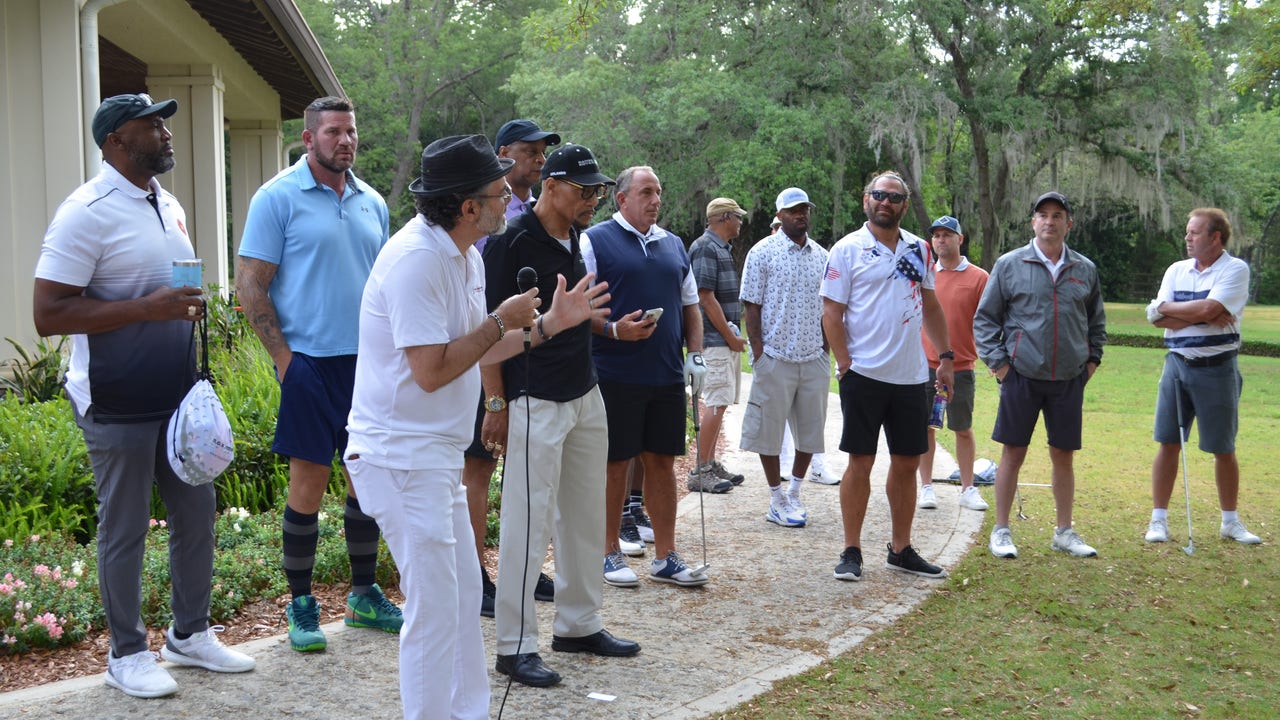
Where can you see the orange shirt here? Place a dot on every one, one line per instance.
(958, 292)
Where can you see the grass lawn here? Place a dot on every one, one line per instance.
(1141, 631)
(1261, 322)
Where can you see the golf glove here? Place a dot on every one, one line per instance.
(694, 371)
(1153, 314)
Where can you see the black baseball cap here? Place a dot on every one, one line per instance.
(120, 109)
(523, 130)
(1055, 197)
(575, 163)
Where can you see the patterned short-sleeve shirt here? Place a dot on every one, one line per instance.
(783, 278)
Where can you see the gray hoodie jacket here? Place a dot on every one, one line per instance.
(1049, 330)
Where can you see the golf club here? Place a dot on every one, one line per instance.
(1182, 438)
(1018, 491)
(697, 460)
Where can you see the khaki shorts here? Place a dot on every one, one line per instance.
(781, 392)
(724, 376)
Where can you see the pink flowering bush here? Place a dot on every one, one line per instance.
(49, 584)
(43, 598)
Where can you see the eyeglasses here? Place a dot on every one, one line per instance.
(506, 195)
(588, 191)
(881, 196)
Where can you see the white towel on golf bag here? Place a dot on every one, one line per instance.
(200, 442)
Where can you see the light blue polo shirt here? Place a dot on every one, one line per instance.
(324, 249)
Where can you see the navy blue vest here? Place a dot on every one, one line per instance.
(641, 281)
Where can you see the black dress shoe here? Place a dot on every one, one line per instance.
(527, 669)
(545, 589)
(601, 643)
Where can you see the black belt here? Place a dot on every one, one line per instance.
(1211, 361)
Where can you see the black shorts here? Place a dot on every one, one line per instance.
(869, 404)
(644, 418)
(1023, 399)
(476, 448)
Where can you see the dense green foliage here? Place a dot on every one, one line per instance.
(1138, 111)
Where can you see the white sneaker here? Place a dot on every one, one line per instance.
(793, 499)
(1069, 541)
(818, 472)
(781, 513)
(1001, 543)
(139, 675)
(205, 650)
(1158, 531)
(617, 573)
(972, 499)
(1235, 530)
(928, 499)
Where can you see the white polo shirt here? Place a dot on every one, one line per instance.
(883, 294)
(421, 291)
(107, 238)
(1227, 281)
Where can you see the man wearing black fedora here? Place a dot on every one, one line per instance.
(557, 436)
(423, 334)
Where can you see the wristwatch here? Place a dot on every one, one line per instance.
(948, 355)
(495, 404)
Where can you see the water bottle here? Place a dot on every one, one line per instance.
(939, 407)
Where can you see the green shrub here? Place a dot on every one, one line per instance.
(46, 484)
(36, 376)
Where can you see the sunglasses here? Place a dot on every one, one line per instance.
(588, 191)
(882, 195)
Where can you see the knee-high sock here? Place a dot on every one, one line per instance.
(362, 546)
(300, 533)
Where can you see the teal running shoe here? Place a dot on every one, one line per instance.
(304, 624)
(373, 610)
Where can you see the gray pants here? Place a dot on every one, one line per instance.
(127, 459)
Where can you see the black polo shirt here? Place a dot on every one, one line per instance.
(560, 369)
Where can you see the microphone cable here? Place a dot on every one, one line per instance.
(521, 279)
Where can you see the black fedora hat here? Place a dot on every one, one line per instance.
(456, 163)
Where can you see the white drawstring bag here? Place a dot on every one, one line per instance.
(200, 442)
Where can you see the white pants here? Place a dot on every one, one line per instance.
(563, 491)
(423, 513)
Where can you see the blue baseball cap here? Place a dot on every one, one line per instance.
(523, 130)
(792, 197)
(948, 222)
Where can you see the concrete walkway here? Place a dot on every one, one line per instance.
(772, 610)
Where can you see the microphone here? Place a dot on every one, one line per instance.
(526, 279)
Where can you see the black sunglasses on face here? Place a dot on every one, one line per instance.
(882, 195)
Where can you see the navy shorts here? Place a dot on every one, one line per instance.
(644, 418)
(868, 405)
(315, 400)
(1022, 400)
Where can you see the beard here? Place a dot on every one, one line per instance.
(331, 163)
(888, 219)
(492, 224)
(157, 162)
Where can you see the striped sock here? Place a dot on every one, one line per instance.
(300, 533)
(362, 546)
